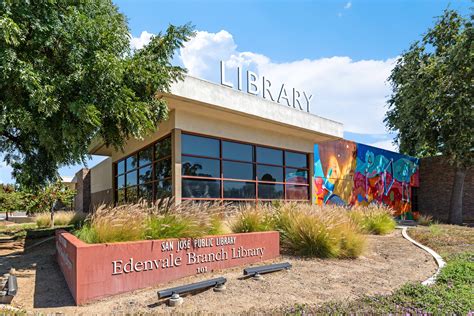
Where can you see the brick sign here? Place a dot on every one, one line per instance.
(93, 271)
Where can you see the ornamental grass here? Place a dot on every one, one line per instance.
(253, 219)
(61, 218)
(320, 232)
(305, 229)
(373, 219)
(163, 219)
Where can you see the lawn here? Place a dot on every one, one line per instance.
(453, 292)
(16, 230)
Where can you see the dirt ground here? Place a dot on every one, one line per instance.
(388, 262)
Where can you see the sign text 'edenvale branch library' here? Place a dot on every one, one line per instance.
(182, 252)
(93, 271)
(291, 97)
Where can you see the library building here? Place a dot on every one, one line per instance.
(247, 142)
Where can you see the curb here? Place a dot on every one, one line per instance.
(439, 261)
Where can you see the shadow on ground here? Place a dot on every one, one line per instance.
(34, 262)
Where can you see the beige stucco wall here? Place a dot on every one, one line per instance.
(101, 176)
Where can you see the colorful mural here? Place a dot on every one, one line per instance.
(348, 173)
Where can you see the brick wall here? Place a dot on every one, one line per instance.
(82, 200)
(436, 182)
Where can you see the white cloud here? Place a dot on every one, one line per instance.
(348, 91)
(141, 41)
(348, 5)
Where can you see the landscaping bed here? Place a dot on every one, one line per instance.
(388, 263)
(453, 292)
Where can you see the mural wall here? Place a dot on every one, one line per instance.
(348, 173)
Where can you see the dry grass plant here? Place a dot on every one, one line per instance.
(61, 218)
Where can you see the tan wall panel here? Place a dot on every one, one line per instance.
(133, 145)
(102, 197)
(101, 176)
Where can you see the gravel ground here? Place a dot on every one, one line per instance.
(389, 262)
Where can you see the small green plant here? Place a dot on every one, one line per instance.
(425, 220)
(435, 230)
(374, 219)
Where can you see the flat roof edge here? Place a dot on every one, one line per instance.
(221, 97)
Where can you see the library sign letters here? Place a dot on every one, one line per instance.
(177, 253)
(289, 96)
(93, 271)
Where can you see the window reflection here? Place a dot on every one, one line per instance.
(296, 159)
(237, 151)
(144, 174)
(296, 192)
(270, 173)
(131, 162)
(270, 191)
(200, 188)
(269, 156)
(237, 170)
(163, 169)
(296, 175)
(200, 146)
(202, 167)
(163, 148)
(239, 190)
(267, 172)
(138, 172)
(145, 156)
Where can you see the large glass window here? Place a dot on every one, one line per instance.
(200, 146)
(145, 174)
(269, 156)
(199, 188)
(237, 151)
(237, 170)
(216, 169)
(200, 167)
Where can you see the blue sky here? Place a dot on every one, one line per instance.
(341, 51)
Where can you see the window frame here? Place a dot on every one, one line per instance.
(153, 182)
(254, 163)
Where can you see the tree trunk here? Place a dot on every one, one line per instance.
(455, 207)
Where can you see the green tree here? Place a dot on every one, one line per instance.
(431, 105)
(11, 199)
(68, 75)
(43, 199)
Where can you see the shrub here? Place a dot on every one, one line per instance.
(374, 219)
(425, 220)
(253, 219)
(61, 218)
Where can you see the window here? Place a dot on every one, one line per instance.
(145, 174)
(237, 151)
(200, 167)
(216, 169)
(237, 170)
(200, 146)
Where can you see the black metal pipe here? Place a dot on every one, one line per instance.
(268, 268)
(12, 285)
(191, 287)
